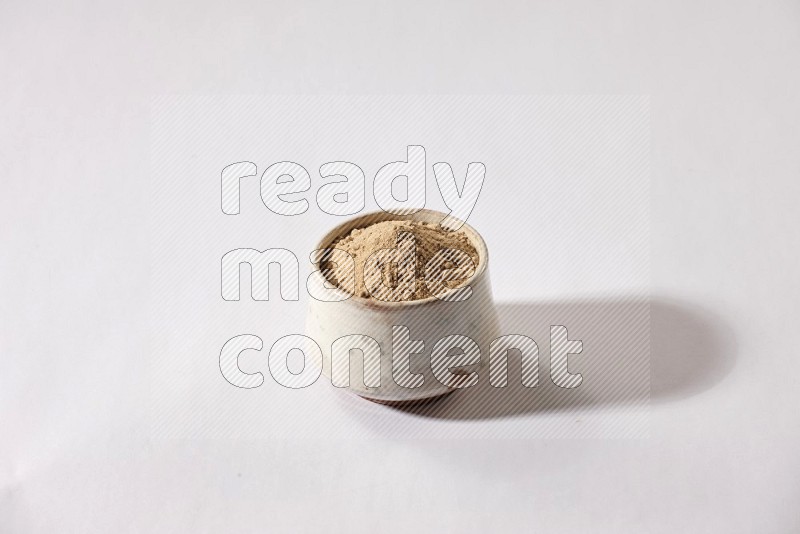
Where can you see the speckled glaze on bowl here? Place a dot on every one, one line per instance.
(428, 319)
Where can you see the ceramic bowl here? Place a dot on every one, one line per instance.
(428, 320)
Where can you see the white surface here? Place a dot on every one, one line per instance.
(76, 453)
(564, 208)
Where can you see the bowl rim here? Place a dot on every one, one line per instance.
(421, 215)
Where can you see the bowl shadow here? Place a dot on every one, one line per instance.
(635, 351)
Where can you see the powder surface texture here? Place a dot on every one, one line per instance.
(404, 250)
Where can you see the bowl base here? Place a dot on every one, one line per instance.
(405, 403)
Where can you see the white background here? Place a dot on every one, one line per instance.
(564, 209)
(77, 83)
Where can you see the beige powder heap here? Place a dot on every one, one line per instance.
(388, 271)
